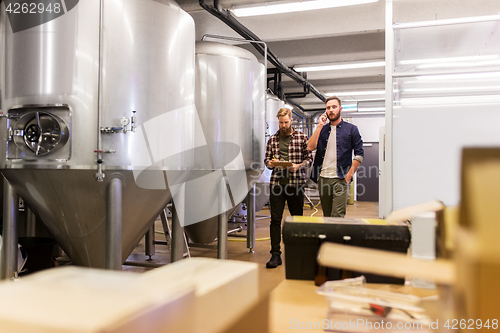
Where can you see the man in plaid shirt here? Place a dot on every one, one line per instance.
(287, 184)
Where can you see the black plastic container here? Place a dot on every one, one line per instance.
(40, 251)
(301, 239)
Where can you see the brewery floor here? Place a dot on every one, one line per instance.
(237, 250)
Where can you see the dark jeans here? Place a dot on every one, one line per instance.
(279, 195)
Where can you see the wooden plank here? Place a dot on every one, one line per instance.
(407, 212)
(385, 263)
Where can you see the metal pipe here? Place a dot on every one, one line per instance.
(142, 264)
(251, 220)
(222, 220)
(276, 73)
(114, 225)
(238, 236)
(30, 223)
(203, 246)
(8, 268)
(177, 252)
(149, 242)
(305, 90)
(300, 112)
(238, 229)
(99, 176)
(164, 221)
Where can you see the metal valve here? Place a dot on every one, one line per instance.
(124, 121)
(133, 126)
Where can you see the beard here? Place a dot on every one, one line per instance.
(334, 117)
(286, 131)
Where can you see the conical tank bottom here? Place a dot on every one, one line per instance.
(206, 231)
(72, 205)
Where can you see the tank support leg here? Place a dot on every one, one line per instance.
(251, 220)
(8, 269)
(30, 223)
(222, 220)
(150, 242)
(177, 237)
(114, 259)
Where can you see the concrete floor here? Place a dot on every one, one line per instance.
(237, 250)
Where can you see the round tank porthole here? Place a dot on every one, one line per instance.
(40, 133)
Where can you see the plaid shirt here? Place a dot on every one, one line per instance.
(297, 153)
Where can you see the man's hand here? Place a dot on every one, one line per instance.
(294, 167)
(323, 119)
(348, 178)
(271, 163)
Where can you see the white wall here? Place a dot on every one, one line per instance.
(429, 10)
(369, 127)
(425, 144)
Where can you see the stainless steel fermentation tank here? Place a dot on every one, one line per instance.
(230, 100)
(104, 91)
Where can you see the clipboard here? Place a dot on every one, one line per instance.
(283, 164)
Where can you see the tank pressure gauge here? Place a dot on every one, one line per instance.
(124, 121)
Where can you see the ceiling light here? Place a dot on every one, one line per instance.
(446, 22)
(469, 61)
(455, 77)
(364, 99)
(349, 107)
(359, 114)
(461, 64)
(357, 93)
(371, 109)
(449, 100)
(450, 89)
(333, 67)
(448, 60)
(278, 7)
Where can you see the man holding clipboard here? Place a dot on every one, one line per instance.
(287, 155)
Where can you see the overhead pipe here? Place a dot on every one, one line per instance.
(300, 112)
(278, 91)
(225, 16)
(304, 93)
(315, 110)
(278, 88)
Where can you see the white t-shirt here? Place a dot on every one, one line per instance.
(329, 169)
